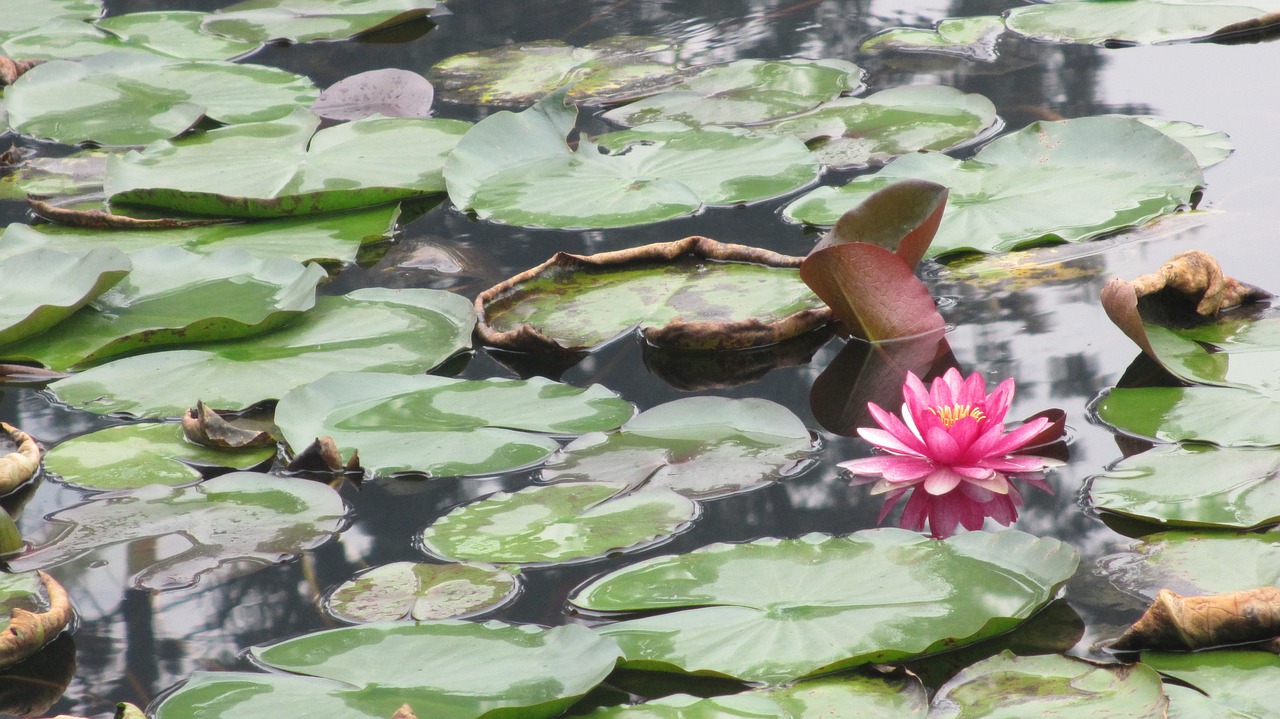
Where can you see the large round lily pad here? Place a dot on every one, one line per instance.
(176, 297)
(745, 92)
(132, 98)
(419, 591)
(557, 523)
(1051, 182)
(1224, 416)
(700, 447)
(1219, 684)
(1192, 564)
(517, 168)
(136, 455)
(611, 70)
(692, 294)
(243, 518)
(440, 426)
(306, 20)
(1132, 21)
(374, 329)
(443, 670)
(42, 287)
(1194, 486)
(777, 610)
(851, 132)
(1007, 686)
(285, 167)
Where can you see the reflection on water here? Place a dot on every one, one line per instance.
(1047, 332)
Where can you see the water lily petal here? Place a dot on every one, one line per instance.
(996, 483)
(886, 441)
(1017, 463)
(1014, 440)
(972, 473)
(894, 426)
(940, 447)
(942, 480)
(997, 403)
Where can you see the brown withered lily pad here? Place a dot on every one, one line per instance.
(21, 460)
(323, 455)
(103, 220)
(225, 430)
(25, 632)
(1189, 623)
(695, 294)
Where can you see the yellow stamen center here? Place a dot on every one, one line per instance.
(955, 412)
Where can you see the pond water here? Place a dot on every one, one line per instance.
(1051, 335)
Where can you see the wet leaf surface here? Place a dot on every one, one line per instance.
(42, 287)
(410, 590)
(1195, 563)
(1222, 683)
(1130, 21)
(307, 20)
(973, 38)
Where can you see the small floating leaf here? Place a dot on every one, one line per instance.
(698, 446)
(417, 591)
(777, 610)
(388, 92)
(137, 455)
(973, 38)
(557, 523)
(444, 427)
(242, 518)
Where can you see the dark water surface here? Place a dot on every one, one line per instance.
(1052, 337)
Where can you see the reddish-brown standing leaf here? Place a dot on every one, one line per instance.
(872, 291)
(902, 218)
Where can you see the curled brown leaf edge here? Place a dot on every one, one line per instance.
(28, 631)
(1174, 622)
(19, 466)
(677, 334)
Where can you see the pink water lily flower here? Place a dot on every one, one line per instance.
(949, 434)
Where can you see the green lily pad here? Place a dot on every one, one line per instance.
(40, 288)
(176, 297)
(279, 168)
(80, 173)
(1007, 686)
(175, 33)
(745, 92)
(693, 294)
(332, 238)
(700, 447)
(1209, 146)
(972, 38)
(23, 15)
(374, 330)
(411, 590)
(852, 132)
(1224, 416)
(444, 427)
(1194, 486)
(60, 39)
(845, 696)
(132, 98)
(135, 455)
(1193, 564)
(611, 70)
(1220, 684)
(444, 669)
(777, 610)
(558, 523)
(1131, 21)
(1050, 182)
(516, 168)
(307, 20)
(243, 518)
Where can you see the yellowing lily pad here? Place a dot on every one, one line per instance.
(418, 591)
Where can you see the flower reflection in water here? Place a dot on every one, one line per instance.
(951, 455)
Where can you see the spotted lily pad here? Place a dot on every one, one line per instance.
(610, 70)
(517, 168)
(136, 455)
(558, 523)
(698, 446)
(852, 132)
(1051, 182)
(334, 238)
(972, 38)
(1131, 21)
(1217, 684)
(745, 92)
(417, 591)
(848, 695)
(1194, 486)
(445, 670)
(66, 282)
(285, 167)
(1196, 563)
(388, 92)
(777, 610)
(444, 427)
(177, 297)
(693, 294)
(243, 518)
(1050, 686)
(132, 98)
(306, 20)
(374, 329)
